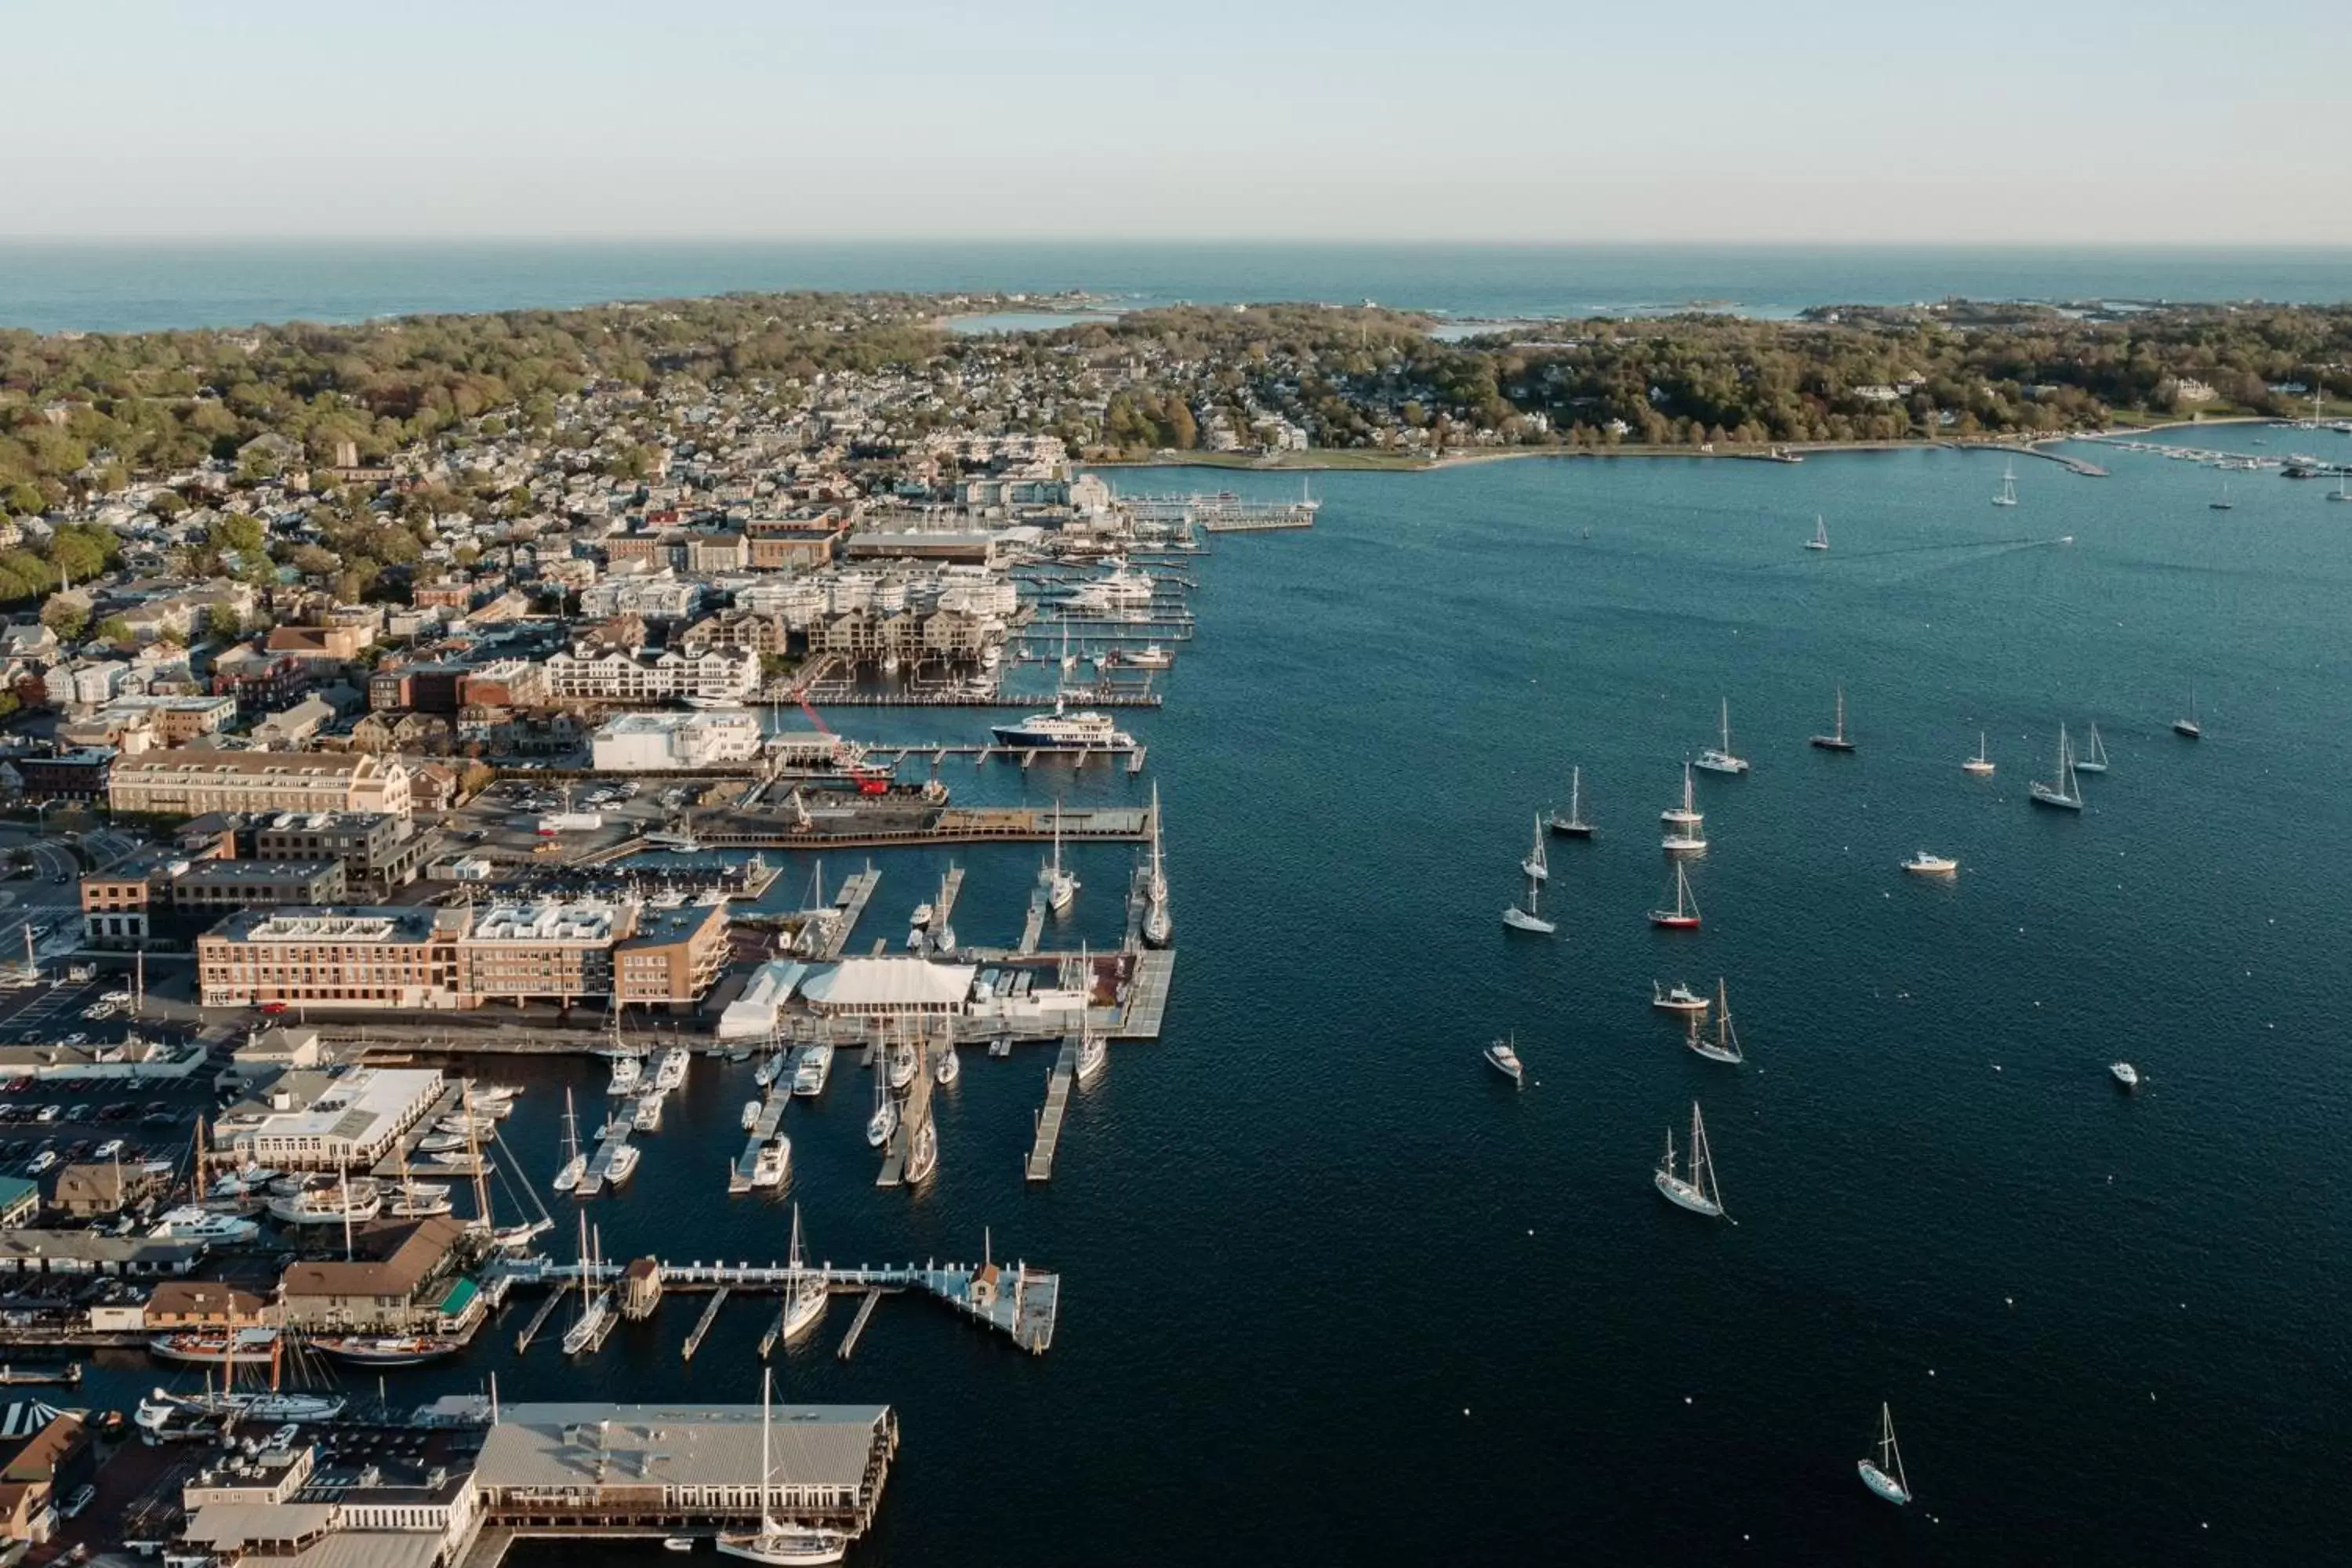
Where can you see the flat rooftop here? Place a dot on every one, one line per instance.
(337, 923)
(588, 1444)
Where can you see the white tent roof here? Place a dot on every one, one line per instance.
(883, 983)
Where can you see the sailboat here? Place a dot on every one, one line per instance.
(805, 1292)
(885, 1120)
(2188, 728)
(780, 1545)
(1979, 764)
(2008, 496)
(1836, 740)
(1573, 824)
(1684, 916)
(1503, 1056)
(2343, 485)
(2065, 795)
(1537, 867)
(1698, 1192)
(1157, 925)
(1821, 539)
(1686, 831)
(1061, 889)
(1725, 1045)
(1722, 759)
(923, 1152)
(595, 1305)
(1530, 919)
(2223, 504)
(2095, 759)
(1093, 1054)
(1883, 1475)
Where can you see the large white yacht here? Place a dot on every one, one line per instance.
(1060, 730)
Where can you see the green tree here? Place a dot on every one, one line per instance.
(114, 629)
(66, 616)
(222, 621)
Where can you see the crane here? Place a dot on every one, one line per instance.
(846, 756)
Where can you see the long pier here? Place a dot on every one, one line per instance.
(771, 1117)
(950, 886)
(846, 908)
(702, 1324)
(538, 1320)
(1224, 512)
(1099, 695)
(1018, 1301)
(857, 1325)
(1065, 1073)
(942, 826)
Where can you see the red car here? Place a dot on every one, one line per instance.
(272, 1009)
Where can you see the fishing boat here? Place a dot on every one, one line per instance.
(772, 1162)
(1503, 1056)
(1725, 1045)
(2125, 1074)
(2190, 727)
(1685, 824)
(575, 1164)
(1929, 864)
(1060, 888)
(777, 1544)
(394, 1349)
(1677, 998)
(2008, 496)
(1884, 1474)
(1538, 869)
(1836, 740)
(2064, 794)
(805, 1292)
(2093, 759)
(1684, 916)
(1721, 759)
(1821, 539)
(1573, 824)
(1530, 919)
(948, 1067)
(1696, 1192)
(885, 1120)
(1980, 765)
(922, 1153)
(810, 1073)
(1157, 925)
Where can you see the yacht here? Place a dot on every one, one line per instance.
(622, 1164)
(1883, 1475)
(394, 1350)
(1698, 1192)
(805, 1292)
(647, 1115)
(1980, 765)
(360, 1199)
(1058, 730)
(814, 1067)
(235, 1347)
(1685, 824)
(1092, 1053)
(575, 1164)
(1060, 888)
(751, 1109)
(948, 1067)
(1124, 589)
(1925, 863)
(1503, 1056)
(885, 1120)
(773, 1160)
(669, 1068)
(923, 1154)
(1152, 656)
(1721, 759)
(1678, 998)
(156, 1411)
(628, 1075)
(2125, 1073)
(904, 1064)
(776, 1544)
(193, 1224)
(457, 1161)
(2065, 794)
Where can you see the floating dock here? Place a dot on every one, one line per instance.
(857, 1325)
(537, 1322)
(771, 1117)
(599, 1164)
(702, 1324)
(1058, 1084)
(850, 904)
(913, 1112)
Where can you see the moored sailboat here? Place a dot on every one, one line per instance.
(1883, 1473)
(1836, 740)
(1980, 765)
(1538, 869)
(1685, 824)
(1725, 1045)
(1721, 759)
(1573, 824)
(1684, 916)
(777, 1544)
(2063, 794)
(1698, 1192)
(2008, 496)
(2093, 759)
(1503, 1056)
(1821, 539)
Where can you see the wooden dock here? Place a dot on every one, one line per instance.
(702, 1324)
(1057, 1104)
(1147, 999)
(1033, 928)
(537, 1322)
(943, 906)
(944, 826)
(857, 1325)
(854, 895)
(913, 1112)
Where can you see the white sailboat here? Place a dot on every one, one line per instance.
(1530, 919)
(575, 1164)
(1725, 1045)
(1698, 1192)
(1685, 824)
(923, 1152)
(1573, 824)
(1979, 764)
(1884, 1474)
(1722, 759)
(2093, 759)
(1093, 1053)
(1821, 539)
(1537, 868)
(595, 1307)
(2190, 727)
(2064, 794)
(2008, 496)
(1503, 1056)
(780, 1545)
(805, 1292)
(1158, 926)
(1836, 740)
(885, 1120)
(1061, 889)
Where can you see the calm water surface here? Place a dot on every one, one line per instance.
(1336, 1293)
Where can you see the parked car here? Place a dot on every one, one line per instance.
(109, 1150)
(50, 1113)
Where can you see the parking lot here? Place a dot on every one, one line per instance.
(49, 1123)
(68, 1012)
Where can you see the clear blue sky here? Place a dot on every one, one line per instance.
(2061, 120)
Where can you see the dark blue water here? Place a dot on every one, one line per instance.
(136, 287)
(1337, 1294)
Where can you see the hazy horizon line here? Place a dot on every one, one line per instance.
(1213, 242)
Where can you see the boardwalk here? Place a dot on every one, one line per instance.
(1147, 1001)
(851, 903)
(702, 1324)
(857, 1325)
(1065, 1073)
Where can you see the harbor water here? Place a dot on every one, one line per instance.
(1335, 1292)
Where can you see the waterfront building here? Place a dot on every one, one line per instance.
(615, 675)
(656, 742)
(328, 1121)
(183, 783)
(402, 1279)
(276, 1506)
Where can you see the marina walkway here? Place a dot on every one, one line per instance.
(1057, 1104)
(771, 1118)
(850, 904)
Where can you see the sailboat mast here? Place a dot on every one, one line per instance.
(767, 1382)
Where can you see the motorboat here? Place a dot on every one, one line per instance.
(809, 1074)
(358, 1200)
(622, 1164)
(1061, 731)
(772, 1163)
(439, 1142)
(418, 1200)
(2125, 1074)
(1927, 864)
(751, 1109)
(1677, 998)
(669, 1068)
(628, 1075)
(193, 1224)
(646, 1114)
(1503, 1056)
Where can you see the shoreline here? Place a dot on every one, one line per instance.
(1319, 460)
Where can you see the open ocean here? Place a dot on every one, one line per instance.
(1336, 1294)
(135, 287)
